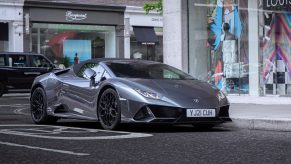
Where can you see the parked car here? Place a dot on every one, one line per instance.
(115, 91)
(18, 70)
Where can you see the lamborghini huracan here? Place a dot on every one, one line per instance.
(114, 91)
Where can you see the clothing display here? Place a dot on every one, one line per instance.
(230, 60)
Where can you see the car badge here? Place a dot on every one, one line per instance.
(196, 100)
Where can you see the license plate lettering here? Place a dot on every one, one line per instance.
(200, 112)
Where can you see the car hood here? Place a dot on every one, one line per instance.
(185, 93)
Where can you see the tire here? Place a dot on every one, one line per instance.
(38, 108)
(109, 110)
(203, 126)
(2, 89)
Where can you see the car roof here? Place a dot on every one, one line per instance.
(77, 67)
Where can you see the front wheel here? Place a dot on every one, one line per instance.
(109, 112)
(38, 108)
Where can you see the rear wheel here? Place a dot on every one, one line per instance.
(2, 88)
(109, 112)
(38, 108)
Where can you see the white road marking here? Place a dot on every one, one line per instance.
(44, 149)
(41, 133)
(14, 105)
(19, 111)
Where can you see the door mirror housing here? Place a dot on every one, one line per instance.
(90, 74)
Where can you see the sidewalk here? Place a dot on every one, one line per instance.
(264, 113)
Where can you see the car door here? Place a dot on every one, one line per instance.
(79, 95)
(18, 66)
(39, 65)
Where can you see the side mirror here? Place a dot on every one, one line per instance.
(90, 74)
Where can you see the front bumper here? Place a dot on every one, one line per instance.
(175, 115)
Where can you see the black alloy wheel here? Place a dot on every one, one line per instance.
(2, 88)
(38, 108)
(109, 112)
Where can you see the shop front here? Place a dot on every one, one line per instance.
(275, 48)
(242, 47)
(218, 43)
(65, 31)
(143, 34)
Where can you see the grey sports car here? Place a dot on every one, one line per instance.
(114, 91)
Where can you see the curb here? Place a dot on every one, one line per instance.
(16, 95)
(266, 100)
(260, 124)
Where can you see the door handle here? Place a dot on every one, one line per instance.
(32, 73)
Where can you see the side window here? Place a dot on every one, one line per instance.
(170, 75)
(2, 60)
(97, 68)
(84, 67)
(17, 61)
(39, 61)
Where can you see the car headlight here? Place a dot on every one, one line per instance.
(220, 96)
(148, 94)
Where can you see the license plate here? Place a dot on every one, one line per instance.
(200, 112)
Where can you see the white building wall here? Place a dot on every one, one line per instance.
(110, 44)
(175, 33)
(254, 79)
(12, 13)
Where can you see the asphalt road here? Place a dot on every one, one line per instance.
(71, 141)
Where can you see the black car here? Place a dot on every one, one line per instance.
(18, 70)
(115, 91)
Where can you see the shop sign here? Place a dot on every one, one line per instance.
(70, 16)
(279, 5)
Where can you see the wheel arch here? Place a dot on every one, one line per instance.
(36, 86)
(107, 86)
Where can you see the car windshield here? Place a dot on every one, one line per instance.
(146, 71)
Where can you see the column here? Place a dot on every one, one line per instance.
(175, 33)
(16, 36)
(254, 81)
(127, 37)
(110, 46)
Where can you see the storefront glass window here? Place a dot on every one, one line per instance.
(275, 34)
(218, 43)
(63, 42)
(152, 52)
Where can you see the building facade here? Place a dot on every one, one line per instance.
(87, 29)
(62, 31)
(242, 47)
(11, 25)
(136, 44)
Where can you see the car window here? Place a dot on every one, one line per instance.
(167, 74)
(40, 61)
(2, 60)
(146, 71)
(84, 67)
(100, 71)
(17, 61)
